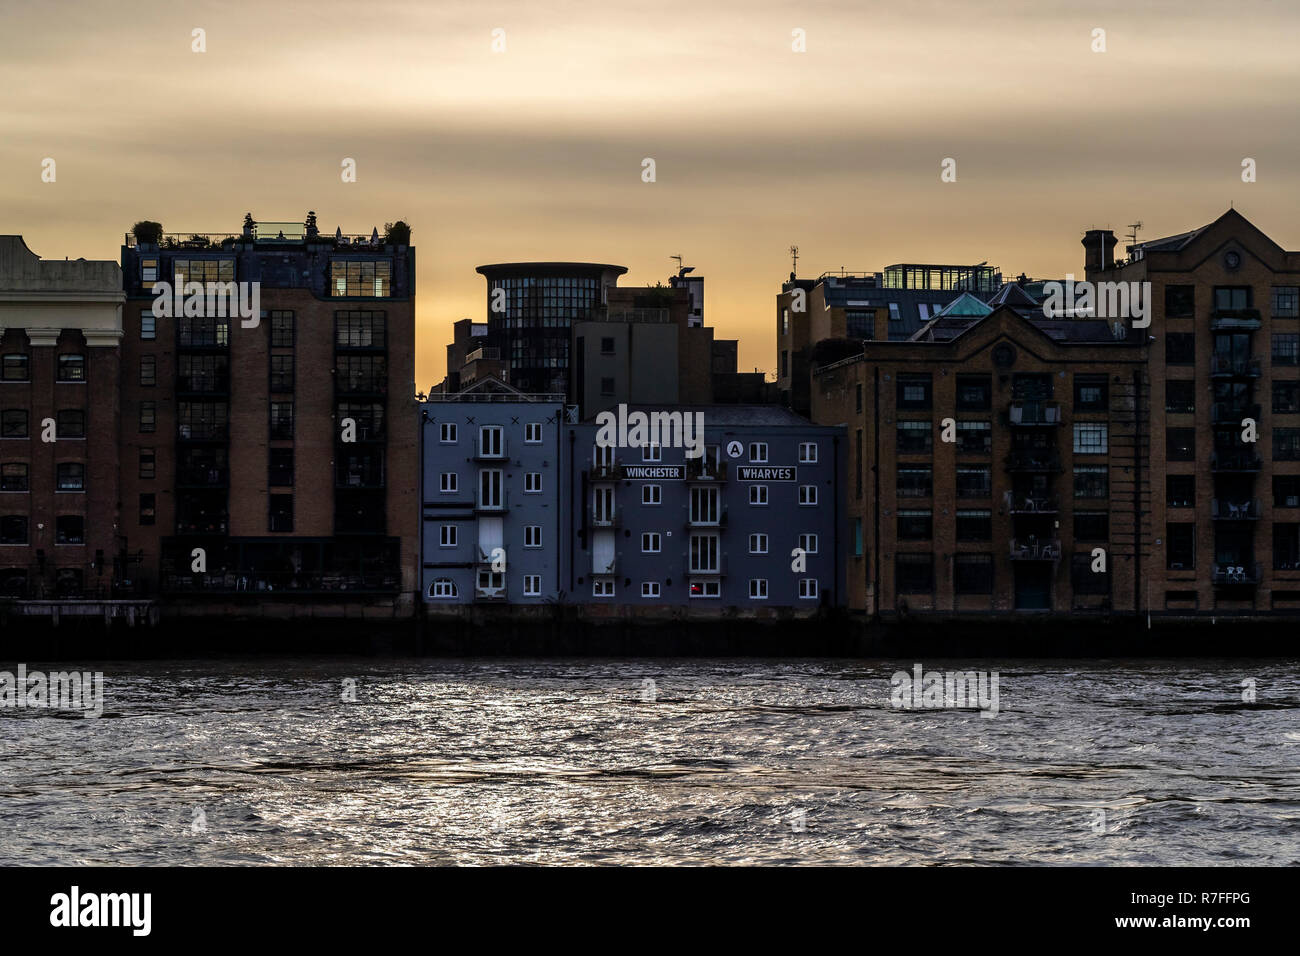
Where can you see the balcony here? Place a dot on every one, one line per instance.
(1029, 414)
(1040, 461)
(1232, 413)
(606, 471)
(1032, 549)
(1234, 461)
(717, 570)
(1234, 320)
(1226, 366)
(202, 525)
(203, 431)
(202, 477)
(492, 450)
(1235, 509)
(203, 384)
(701, 469)
(606, 517)
(720, 522)
(492, 507)
(604, 565)
(1225, 574)
(1030, 504)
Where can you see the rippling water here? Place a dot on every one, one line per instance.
(730, 761)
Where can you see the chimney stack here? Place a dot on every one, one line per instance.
(1098, 251)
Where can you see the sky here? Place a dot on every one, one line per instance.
(535, 152)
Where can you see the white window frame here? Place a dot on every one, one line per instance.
(808, 495)
(448, 487)
(652, 452)
(602, 587)
(492, 441)
(655, 492)
(758, 452)
(758, 495)
(532, 585)
(808, 453)
(808, 543)
(706, 585)
(650, 589)
(532, 536)
(758, 542)
(532, 433)
(1096, 429)
(447, 536)
(443, 589)
(808, 589)
(758, 589)
(532, 482)
(447, 433)
(651, 542)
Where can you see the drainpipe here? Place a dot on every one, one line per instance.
(875, 481)
(1137, 493)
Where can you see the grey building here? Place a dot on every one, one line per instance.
(494, 496)
(756, 523)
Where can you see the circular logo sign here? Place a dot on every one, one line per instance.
(735, 449)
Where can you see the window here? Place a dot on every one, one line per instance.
(532, 536)
(1231, 298)
(360, 330)
(807, 589)
(489, 488)
(650, 542)
(857, 538)
(532, 585)
(1286, 301)
(447, 536)
(491, 441)
(1092, 525)
(369, 279)
(975, 438)
(1084, 580)
(860, 323)
(13, 423)
(607, 345)
(1286, 397)
(808, 543)
(148, 371)
(203, 270)
(808, 453)
(704, 505)
(447, 483)
(649, 589)
(1180, 444)
(652, 494)
(758, 451)
(785, 363)
(1091, 481)
(282, 373)
(974, 393)
(71, 368)
(807, 494)
(280, 467)
(914, 482)
(607, 386)
(758, 494)
(532, 433)
(71, 423)
(758, 589)
(203, 331)
(282, 329)
(1180, 491)
(705, 589)
(974, 524)
(14, 368)
(447, 433)
(70, 529)
(148, 272)
(915, 525)
(148, 463)
(914, 573)
(490, 582)
(13, 476)
(1180, 348)
(442, 588)
(914, 392)
(651, 453)
(758, 543)
(602, 587)
(281, 420)
(1090, 438)
(1091, 393)
(972, 573)
(1286, 547)
(975, 482)
(281, 516)
(704, 553)
(13, 529)
(857, 397)
(1286, 491)
(1286, 444)
(148, 325)
(147, 509)
(785, 321)
(1180, 546)
(532, 483)
(1180, 397)
(1180, 301)
(148, 417)
(915, 438)
(894, 314)
(1286, 348)
(70, 476)
(360, 374)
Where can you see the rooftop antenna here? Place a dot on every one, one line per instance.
(1133, 228)
(679, 263)
(794, 260)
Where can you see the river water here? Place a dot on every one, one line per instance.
(656, 761)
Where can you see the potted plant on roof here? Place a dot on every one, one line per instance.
(147, 232)
(397, 234)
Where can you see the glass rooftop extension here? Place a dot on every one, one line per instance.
(978, 278)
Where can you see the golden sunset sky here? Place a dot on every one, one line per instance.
(535, 153)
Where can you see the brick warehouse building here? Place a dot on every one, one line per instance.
(1225, 513)
(988, 457)
(233, 438)
(60, 332)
